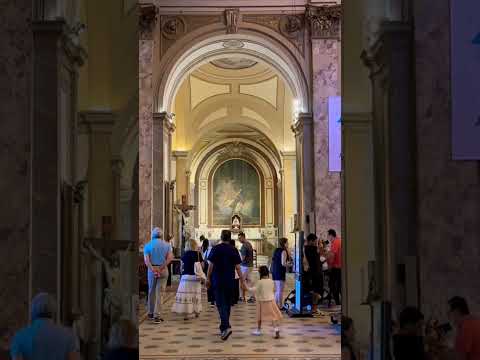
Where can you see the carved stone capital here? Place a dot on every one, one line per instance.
(305, 120)
(166, 119)
(324, 21)
(147, 19)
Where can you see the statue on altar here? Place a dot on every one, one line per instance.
(236, 223)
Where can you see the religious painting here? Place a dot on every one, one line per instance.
(236, 190)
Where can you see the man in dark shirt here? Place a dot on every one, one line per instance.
(224, 261)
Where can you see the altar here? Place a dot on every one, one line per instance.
(263, 239)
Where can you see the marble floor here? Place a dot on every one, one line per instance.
(301, 338)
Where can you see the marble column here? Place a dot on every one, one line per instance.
(326, 83)
(303, 129)
(147, 22)
(55, 63)
(161, 165)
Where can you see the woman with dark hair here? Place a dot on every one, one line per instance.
(205, 243)
(280, 261)
(348, 338)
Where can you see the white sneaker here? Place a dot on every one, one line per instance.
(257, 332)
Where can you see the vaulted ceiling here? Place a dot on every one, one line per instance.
(233, 97)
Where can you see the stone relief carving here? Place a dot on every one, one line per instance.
(290, 26)
(233, 44)
(231, 19)
(147, 19)
(324, 21)
(235, 150)
(173, 27)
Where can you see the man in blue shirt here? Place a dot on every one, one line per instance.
(44, 339)
(158, 255)
(224, 260)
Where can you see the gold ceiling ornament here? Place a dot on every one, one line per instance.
(147, 18)
(324, 21)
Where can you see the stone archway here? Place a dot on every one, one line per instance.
(306, 57)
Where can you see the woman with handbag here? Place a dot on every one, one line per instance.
(281, 260)
(188, 300)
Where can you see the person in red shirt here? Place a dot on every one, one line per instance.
(467, 342)
(334, 260)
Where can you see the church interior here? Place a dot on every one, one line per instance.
(273, 118)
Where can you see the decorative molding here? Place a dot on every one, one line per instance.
(173, 27)
(290, 25)
(233, 44)
(96, 122)
(147, 19)
(183, 154)
(234, 150)
(324, 21)
(304, 119)
(231, 20)
(166, 118)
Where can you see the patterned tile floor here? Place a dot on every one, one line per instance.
(197, 339)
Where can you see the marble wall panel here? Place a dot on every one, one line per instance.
(448, 191)
(15, 85)
(145, 137)
(326, 82)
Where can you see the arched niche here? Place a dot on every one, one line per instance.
(213, 160)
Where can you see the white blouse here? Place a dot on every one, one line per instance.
(264, 290)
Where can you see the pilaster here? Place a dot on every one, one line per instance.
(147, 23)
(162, 130)
(303, 129)
(391, 71)
(55, 63)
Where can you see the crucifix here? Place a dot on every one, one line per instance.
(183, 209)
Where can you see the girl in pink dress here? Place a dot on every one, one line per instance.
(267, 309)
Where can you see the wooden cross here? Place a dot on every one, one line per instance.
(184, 207)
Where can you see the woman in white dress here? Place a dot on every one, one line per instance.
(189, 294)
